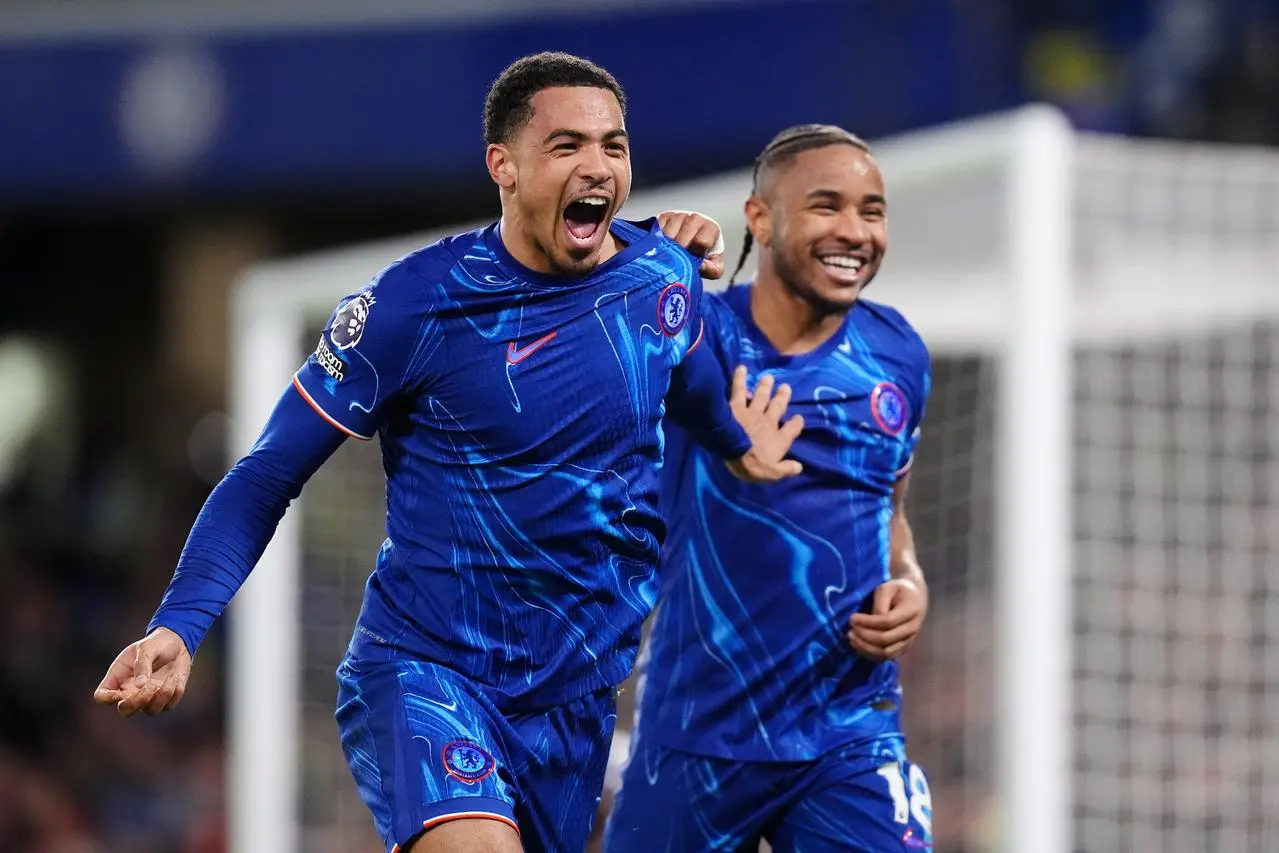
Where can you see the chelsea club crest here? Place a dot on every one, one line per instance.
(889, 408)
(467, 762)
(672, 308)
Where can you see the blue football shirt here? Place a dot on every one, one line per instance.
(520, 418)
(749, 657)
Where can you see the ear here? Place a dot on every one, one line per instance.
(501, 166)
(759, 220)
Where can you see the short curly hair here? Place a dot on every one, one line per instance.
(508, 106)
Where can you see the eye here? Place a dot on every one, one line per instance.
(565, 147)
(873, 213)
(618, 148)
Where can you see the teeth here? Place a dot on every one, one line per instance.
(593, 200)
(842, 261)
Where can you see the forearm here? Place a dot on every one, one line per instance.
(240, 517)
(698, 402)
(903, 564)
(227, 540)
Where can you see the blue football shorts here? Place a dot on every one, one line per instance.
(426, 746)
(865, 797)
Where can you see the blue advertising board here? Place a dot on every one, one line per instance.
(373, 105)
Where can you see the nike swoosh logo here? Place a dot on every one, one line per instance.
(514, 354)
(452, 706)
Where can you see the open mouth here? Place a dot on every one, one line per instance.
(584, 217)
(844, 268)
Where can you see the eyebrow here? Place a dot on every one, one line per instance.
(836, 195)
(578, 136)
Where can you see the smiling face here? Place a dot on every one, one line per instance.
(821, 220)
(563, 175)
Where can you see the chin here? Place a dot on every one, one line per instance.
(577, 264)
(843, 296)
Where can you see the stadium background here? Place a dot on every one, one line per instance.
(150, 154)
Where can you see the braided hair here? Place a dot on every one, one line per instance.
(783, 148)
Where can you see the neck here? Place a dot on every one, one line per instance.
(792, 324)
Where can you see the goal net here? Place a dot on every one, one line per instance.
(1094, 499)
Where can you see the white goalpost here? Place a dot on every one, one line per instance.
(1093, 497)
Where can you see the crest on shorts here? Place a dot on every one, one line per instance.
(467, 762)
(889, 408)
(672, 308)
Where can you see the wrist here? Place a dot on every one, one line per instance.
(161, 626)
(163, 631)
(912, 575)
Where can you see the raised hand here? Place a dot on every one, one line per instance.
(760, 415)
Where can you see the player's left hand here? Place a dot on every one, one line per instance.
(700, 234)
(897, 614)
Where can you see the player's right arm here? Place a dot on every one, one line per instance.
(371, 347)
(229, 535)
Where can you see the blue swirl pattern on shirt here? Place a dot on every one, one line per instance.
(748, 656)
(520, 417)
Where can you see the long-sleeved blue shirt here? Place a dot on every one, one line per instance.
(520, 417)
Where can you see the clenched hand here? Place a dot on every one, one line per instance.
(897, 614)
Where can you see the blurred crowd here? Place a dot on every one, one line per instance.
(92, 514)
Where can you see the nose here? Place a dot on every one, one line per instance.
(853, 228)
(593, 166)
